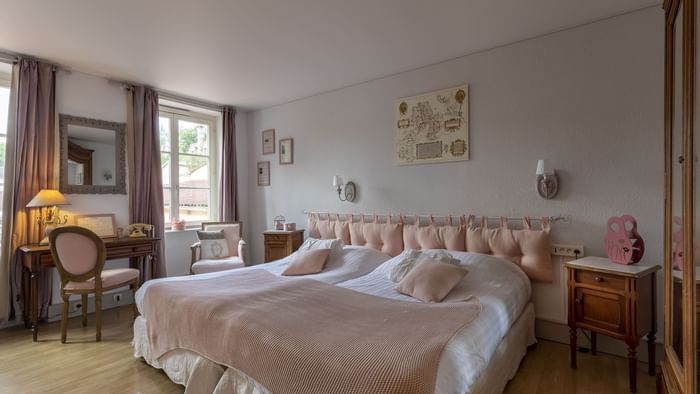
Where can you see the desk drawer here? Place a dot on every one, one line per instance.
(128, 251)
(607, 281)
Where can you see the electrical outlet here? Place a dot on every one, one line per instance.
(118, 298)
(566, 250)
(75, 306)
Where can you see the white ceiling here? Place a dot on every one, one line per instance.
(257, 53)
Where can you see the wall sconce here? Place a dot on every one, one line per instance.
(547, 180)
(348, 189)
(48, 198)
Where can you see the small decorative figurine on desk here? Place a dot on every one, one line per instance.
(623, 244)
(139, 230)
(279, 222)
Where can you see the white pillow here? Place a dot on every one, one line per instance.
(315, 243)
(213, 244)
(404, 266)
(412, 257)
(442, 256)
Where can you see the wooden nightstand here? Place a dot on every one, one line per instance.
(280, 244)
(615, 300)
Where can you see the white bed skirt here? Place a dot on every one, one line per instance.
(201, 376)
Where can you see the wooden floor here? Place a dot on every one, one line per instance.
(83, 366)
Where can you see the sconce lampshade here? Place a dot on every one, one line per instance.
(47, 198)
(544, 167)
(337, 181)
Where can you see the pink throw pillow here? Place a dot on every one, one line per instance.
(307, 262)
(431, 280)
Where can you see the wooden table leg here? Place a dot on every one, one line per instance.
(572, 346)
(154, 261)
(632, 361)
(594, 342)
(25, 296)
(34, 300)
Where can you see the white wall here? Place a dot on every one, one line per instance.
(94, 97)
(589, 98)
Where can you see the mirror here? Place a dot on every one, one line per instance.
(676, 167)
(92, 156)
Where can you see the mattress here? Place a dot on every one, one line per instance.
(467, 363)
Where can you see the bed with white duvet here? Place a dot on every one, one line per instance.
(481, 358)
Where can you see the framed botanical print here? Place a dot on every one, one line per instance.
(287, 151)
(263, 173)
(268, 141)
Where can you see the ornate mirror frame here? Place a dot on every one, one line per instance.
(120, 155)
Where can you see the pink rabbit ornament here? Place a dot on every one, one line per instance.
(623, 243)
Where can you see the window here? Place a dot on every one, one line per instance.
(4, 111)
(187, 154)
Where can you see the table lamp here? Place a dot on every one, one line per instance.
(49, 198)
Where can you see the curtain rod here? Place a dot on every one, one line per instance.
(190, 101)
(8, 58)
(552, 219)
(13, 58)
(174, 97)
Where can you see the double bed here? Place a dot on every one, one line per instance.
(480, 357)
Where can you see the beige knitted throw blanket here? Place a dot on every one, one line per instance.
(304, 336)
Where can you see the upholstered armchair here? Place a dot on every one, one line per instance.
(236, 249)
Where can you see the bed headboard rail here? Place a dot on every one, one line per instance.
(527, 245)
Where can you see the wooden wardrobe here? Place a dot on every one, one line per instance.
(679, 365)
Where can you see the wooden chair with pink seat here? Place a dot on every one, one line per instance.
(79, 255)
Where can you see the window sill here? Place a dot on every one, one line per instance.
(186, 230)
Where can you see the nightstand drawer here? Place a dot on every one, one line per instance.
(601, 280)
(600, 309)
(279, 244)
(276, 238)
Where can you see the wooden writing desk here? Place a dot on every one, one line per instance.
(36, 258)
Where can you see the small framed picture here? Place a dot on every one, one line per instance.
(263, 173)
(103, 224)
(287, 151)
(268, 141)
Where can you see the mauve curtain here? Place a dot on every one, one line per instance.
(145, 177)
(29, 167)
(228, 193)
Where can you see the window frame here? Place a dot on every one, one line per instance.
(5, 82)
(175, 115)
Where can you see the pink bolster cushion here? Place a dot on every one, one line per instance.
(431, 280)
(307, 262)
(329, 229)
(384, 237)
(536, 260)
(434, 237)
